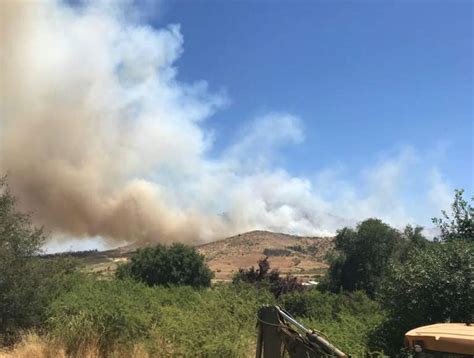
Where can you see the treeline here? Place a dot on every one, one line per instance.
(381, 282)
(76, 254)
(416, 281)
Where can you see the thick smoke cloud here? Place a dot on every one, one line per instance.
(100, 139)
(90, 107)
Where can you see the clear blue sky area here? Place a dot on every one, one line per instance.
(365, 77)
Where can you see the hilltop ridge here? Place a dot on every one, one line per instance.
(298, 255)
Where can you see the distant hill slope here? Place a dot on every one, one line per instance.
(299, 255)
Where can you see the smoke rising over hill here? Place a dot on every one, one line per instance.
(99, 138)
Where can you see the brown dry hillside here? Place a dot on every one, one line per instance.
(303, 256)
(298, 255)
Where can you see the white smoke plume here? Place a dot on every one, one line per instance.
(99, 138)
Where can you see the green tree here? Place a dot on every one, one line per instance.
(434, 284)
(412, 238)
(27, 281)
(364, 256)
(177, 264)
(460, 225)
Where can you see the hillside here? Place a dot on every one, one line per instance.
(298, 255)
(303, 256)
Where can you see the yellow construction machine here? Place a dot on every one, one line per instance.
(442, 340)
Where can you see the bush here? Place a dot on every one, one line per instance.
(345, 318)
(103, 316)
(162, 265)
(217, 322)
(113, 317)
(263, 277)
(433, 285)
(27, 282)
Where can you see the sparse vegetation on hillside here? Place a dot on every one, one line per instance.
(226, 256)
(276, 252)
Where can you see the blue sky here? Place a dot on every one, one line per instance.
(219, 117)
(365, 77)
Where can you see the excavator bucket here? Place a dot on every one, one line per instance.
(279, 336)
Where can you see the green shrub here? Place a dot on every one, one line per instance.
(105, 316)
(28, 283)
(177, 264)
(350, 333)
(111, 317)
(433, 285)
(347, 319)
(218, 322)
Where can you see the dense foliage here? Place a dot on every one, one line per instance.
(114, 316)
(364, 255)
(27, 282)
(433, 285)
(416, 281)
(177, 264)
(105, 317)
(346, 318)
(217, 322)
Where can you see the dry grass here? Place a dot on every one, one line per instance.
(34, 346)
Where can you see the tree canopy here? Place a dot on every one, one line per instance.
(177, 264)
(460, 224)
(364, 254)
(27, 282)
(434, 283)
